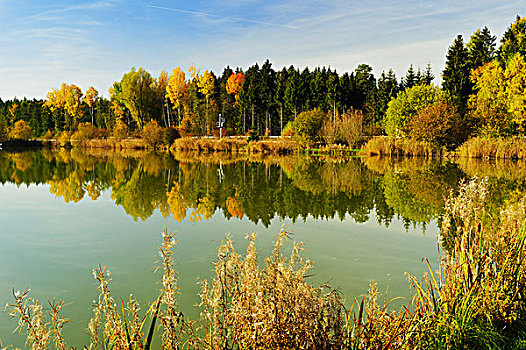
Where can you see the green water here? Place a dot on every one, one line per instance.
(63, 213)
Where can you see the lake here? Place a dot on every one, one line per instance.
(64, 212)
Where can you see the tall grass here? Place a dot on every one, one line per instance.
(391, 146)
(501, 148)
(475, 300)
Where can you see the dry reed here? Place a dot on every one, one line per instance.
(500, 148)
(391, 146)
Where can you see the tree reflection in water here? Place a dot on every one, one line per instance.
(188, 186)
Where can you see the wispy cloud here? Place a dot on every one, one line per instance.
(228, 18)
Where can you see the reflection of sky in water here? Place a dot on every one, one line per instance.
(51, 246)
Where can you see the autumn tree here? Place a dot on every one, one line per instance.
(515, 77)
(234, 84)
(233, 87)
(90, 98)
(21, 130)
(488, 106)
(67, 100)
(206, 85)
(438, 124)
(176, 90)
(73, 103)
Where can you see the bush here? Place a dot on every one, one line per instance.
(307, 126)
(21, 131)
(438, 124)
(85, 131)
(120, 129)
(152, 133)
(347, 128)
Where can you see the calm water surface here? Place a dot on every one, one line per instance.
(62, 213)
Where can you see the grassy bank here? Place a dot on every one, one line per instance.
(475, 300)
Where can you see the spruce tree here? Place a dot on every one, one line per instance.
(481, 48)
(456, 75)
(410, 79)
(513, 41)
(387, 90)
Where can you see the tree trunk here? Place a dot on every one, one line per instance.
(281, 118)
(252, 116)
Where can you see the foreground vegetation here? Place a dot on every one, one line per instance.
(474, 300)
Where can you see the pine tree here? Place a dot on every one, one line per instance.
(427, 76)
(387, 90)
(481, 48)
(279, 94)
(513, 41)
(410, 79)
(456, 75)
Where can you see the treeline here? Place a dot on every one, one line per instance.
(482, 93)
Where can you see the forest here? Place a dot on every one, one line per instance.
(482, 94)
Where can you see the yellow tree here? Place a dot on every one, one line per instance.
(117, 104)
(161, 84)
(21, 130)
(176, 89)
(90, 99)
(488, 105)
(56, 98)
(515, 76)
(205, 83)
(73, 102)
(12, 110)
(67, 99)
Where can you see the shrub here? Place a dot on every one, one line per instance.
(502, 148)
(352, 127)
(21, 131)
(85, 131)
(152, 133)
(347, 128)
(120, 129)
(438, 124)
(307, 126)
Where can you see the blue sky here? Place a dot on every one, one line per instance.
(45, 43)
